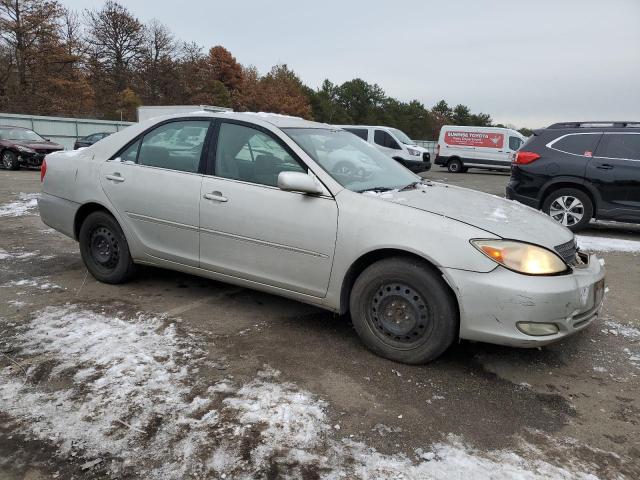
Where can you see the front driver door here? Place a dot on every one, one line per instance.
(154, 185)
(251, 229)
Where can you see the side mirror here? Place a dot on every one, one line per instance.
(298, 182)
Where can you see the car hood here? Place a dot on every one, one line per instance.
(40, 145)
(499, 216)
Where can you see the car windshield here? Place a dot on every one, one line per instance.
(400, 135)
(352, 162)
(20, 134)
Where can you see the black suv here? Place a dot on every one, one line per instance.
(581, 170)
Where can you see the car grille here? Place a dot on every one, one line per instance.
(568, 251)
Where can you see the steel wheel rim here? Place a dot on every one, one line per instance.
(567, 210)
(399, 316)
(454, 167)
(104, 248)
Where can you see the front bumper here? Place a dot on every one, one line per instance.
(31, 159)
(491, 304)
(416, 166)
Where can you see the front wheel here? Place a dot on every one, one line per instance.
(10, 160)
(403, 311)
(570, 207)
(455, 166)
(104, 248)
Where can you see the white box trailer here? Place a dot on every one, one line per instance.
(147, 112)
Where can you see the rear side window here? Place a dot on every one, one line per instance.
(621, 145)
(360, 132)
(578, 144)
(514, 143)
(175, 145)
(382, 138)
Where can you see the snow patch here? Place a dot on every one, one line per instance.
(607, 244)
(4, 255)
(38, 283)
(627, 331)
(25, 203)
(130, 399)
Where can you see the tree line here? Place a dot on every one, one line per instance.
(104, 63)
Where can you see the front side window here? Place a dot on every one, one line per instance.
(514, 143)
(383, 139)
(403, 137)
(175, 145)
(360, 132)
(620, 145)
(246, 154)
(578, 144)
(354, 164)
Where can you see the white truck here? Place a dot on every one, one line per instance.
(460, 148)
(394, 143)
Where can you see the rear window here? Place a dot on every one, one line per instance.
(578, 144)
(360, 132)
(620, 145)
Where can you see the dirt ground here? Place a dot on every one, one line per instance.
(175, 376)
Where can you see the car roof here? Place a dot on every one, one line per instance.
(276, 119)
(590, 127)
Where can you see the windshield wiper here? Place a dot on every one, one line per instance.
(375, 189)
(411, 186)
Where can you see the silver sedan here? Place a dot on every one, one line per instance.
(313, 213)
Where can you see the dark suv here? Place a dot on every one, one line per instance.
(21, 146)
(581, 170)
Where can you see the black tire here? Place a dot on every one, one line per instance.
(104, 248)
(10, 160)
(403, 311)
(464, 169)
(455, 166)
(570, 207)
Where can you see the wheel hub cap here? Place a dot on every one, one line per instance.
(104, 247)
(399, 313)
(567, 210)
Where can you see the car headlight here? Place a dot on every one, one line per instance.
(521, 257)
(20, 148)
(415, 153)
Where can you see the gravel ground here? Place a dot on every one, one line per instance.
(175, 376)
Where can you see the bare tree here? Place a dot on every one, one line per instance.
(26, 28)
(116, 39)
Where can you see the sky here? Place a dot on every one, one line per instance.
(525, 63)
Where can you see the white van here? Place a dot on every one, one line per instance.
(460, 148)
(395, 143)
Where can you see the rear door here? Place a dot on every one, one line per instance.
(154, 185)
(615, 169)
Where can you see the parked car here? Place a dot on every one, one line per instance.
(254, 202)
(577, 171)
(394, 143)
(21, 146)
(90, 139)
(460, 148)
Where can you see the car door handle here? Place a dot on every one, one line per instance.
(216, 197)
(116, 177)
(605, 166)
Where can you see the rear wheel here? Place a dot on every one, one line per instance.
(570, 207)
(403, 311)
(104, 248)
(10, 160)
(455, 166)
